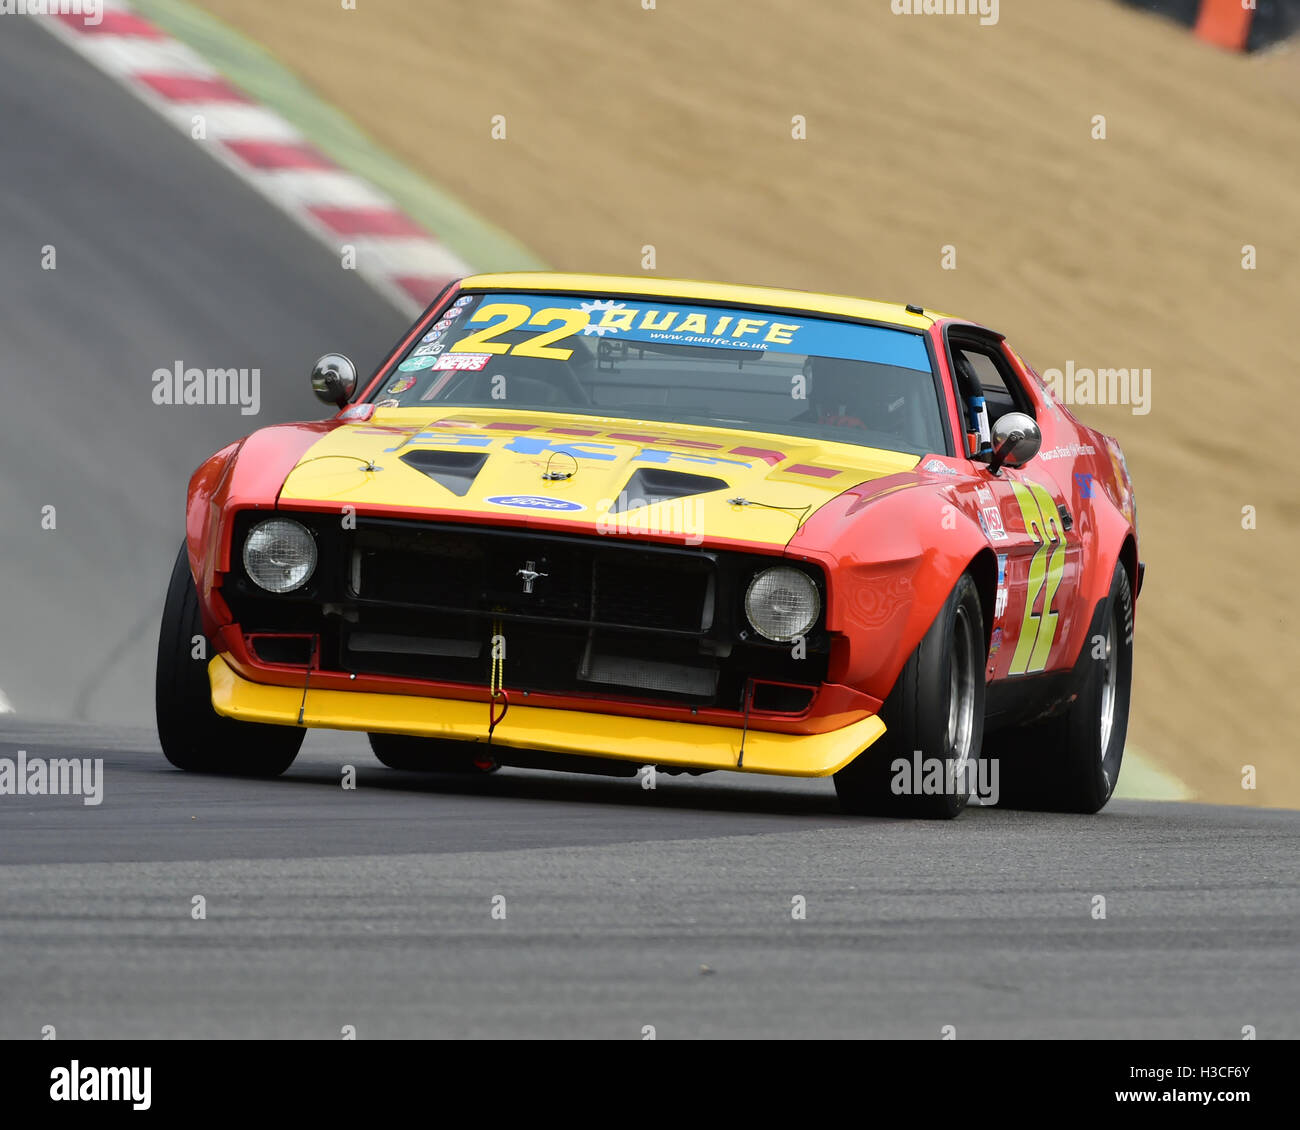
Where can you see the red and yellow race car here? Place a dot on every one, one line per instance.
(608, 523)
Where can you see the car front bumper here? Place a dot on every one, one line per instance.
(646, 741)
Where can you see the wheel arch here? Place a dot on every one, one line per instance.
(983, 568)
(892, 562)
(1128, 556)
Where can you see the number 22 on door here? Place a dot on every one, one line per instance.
(1038, 630)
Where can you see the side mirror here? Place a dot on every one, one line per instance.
(1016, 440)
(334, 379)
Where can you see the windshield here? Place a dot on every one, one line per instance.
(642, 359)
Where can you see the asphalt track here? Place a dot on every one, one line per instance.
(624, 907)
(372, 907)
(161, 256)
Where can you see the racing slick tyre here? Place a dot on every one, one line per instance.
(430, 755)
(1071, 763)
(937, 708)
(193, 735)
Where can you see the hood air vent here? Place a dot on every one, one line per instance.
(652, 484)
(455, 470)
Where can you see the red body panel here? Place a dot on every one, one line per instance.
(244, 476)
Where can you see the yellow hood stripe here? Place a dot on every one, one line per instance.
(590, 461)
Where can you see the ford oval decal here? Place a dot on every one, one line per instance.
(535, 502)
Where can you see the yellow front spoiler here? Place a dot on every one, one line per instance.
(647, 741)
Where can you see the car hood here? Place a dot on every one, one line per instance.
(675, 480)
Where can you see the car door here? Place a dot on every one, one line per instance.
(1025, 514)
(1038, 573)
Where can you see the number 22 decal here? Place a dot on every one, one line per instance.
(515, 314)
(1038, 630)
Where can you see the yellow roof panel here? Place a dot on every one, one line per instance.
(650, 286)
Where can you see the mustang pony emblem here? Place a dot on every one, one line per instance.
(529, 575)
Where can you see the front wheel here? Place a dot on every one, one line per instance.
(193, 735)
(924, 764)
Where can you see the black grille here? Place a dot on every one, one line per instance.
(574, 580)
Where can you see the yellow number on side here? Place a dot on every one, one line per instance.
(1038, 631)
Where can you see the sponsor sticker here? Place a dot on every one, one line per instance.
(984, 495)
(473, 362)
(464, 301)
(992, 523)
(388, 404)
(1000, 601)
(1068, 451)
(432, 335)
(937, 468)
(415, 364)
(535, 502)
(401, 385)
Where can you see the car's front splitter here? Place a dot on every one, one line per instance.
(647, 741)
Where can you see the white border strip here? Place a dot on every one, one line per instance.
(381, 259)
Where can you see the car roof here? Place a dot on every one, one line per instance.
(640, 286)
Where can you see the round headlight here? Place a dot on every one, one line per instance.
(279, 554)
(782, 603)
